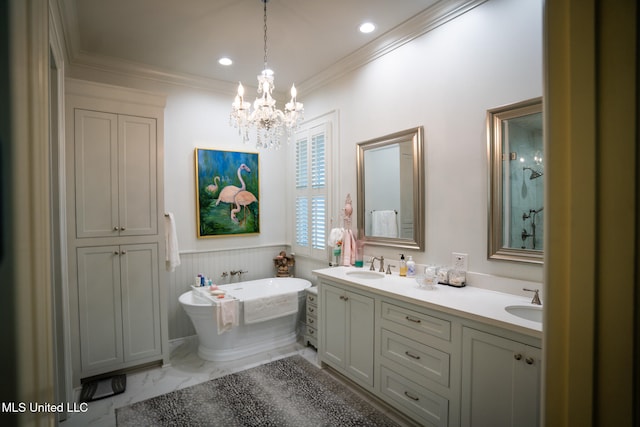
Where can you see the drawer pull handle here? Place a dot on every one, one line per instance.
(411, 355)
(311, 321)
(312, 299)
(411, 396)
(343, 298)
(517, 356)
(411, 319)
(311, 331)
(311, 310)
(529, 360)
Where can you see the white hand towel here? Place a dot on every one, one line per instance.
(171, 241)
(384, 224)
(226, 314)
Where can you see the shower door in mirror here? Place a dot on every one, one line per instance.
(516, 156)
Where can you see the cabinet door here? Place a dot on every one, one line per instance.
(500, 381)
(99, 308)
(360, 332)
(96, 173)
(138, 213)
(333, 328)
(140, 301)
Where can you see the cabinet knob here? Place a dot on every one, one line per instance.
(122, 228)
(115, 228)
(123, 252)
(529, 360)
(517, 356)
(342, 297)
(116, 253)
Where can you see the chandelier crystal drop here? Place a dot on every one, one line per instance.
(264, 119)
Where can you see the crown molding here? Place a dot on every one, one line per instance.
(432, 17)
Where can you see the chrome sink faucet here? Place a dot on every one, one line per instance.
(536, 297)
(373, 261)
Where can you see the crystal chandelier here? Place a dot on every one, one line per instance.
(265, 119)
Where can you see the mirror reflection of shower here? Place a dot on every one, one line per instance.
(526, 174)
(525, 234)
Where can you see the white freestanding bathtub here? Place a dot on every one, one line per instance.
(245, 339)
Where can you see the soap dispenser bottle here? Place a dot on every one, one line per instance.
(411, 267)
(403, 266)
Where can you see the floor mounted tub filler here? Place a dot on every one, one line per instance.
(266, 317)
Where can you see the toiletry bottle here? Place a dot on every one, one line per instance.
(403, 266)
(411, 267)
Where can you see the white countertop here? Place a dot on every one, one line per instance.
(469, 302)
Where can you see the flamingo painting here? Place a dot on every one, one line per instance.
(228, 192)
(230, 178)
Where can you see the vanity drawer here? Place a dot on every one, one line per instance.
(419, 358)
(311, 321)
(311, 336)
(426, 406)
(417, 321)
(312, 298)
(312, 310)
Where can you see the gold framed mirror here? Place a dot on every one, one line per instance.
(390, 180)
(516, 182)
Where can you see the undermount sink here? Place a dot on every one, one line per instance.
(365, 274)
(527, 312)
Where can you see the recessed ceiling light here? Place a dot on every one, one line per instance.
(367, 27)
(225, 61)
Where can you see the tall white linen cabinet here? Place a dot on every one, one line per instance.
(116, 245)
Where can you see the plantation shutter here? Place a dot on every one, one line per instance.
(311, 192)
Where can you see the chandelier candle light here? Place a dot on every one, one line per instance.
(268, 122)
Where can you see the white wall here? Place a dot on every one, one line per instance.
(445, 80)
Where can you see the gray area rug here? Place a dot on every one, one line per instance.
(287, 392)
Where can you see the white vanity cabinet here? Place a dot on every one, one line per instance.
(119, 312)
(440, 367)
(500, 381)
(346, 332)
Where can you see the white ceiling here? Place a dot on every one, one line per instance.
(185, 38)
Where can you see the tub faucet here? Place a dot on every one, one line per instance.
(373, 261)
(239, 272)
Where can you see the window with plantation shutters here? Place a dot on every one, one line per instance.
(311, 192)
